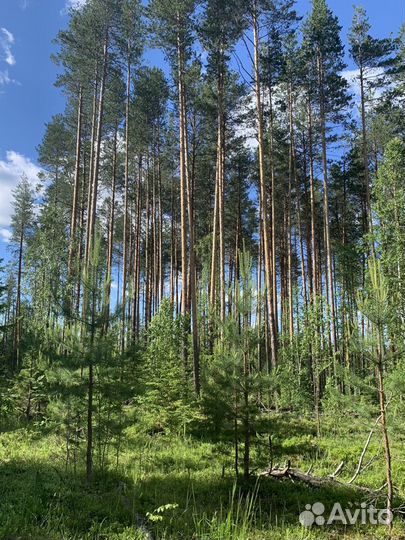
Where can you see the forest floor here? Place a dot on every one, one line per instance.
(184, 488)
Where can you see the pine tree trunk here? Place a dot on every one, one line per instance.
(263, 194)
(214, 242)
(329, 259)
(97, 154)
(91, 165)
(183, 180)
(147, 249)
(172, 247)
(221, 191)
(111, 221)
(161, 279)
(18, 326)
(126, 205)
(292, 166)
(368, 223)
(76, 186)
(137, 256)
(192, 280)
(273, 257)
(315, 290)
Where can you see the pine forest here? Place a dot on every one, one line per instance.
(202, 309)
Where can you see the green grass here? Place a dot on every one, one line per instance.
(171, 488)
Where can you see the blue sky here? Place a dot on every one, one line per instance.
(28, 98)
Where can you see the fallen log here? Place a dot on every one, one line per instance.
(295, 475)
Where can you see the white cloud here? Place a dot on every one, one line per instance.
(72, 4)
(5, 78)
(5, 235)
(6, 56)
(11, 170)
(352, 76)
(6, 42)
(75, 4)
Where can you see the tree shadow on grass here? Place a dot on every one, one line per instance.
(41, 502)
(266, 504)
